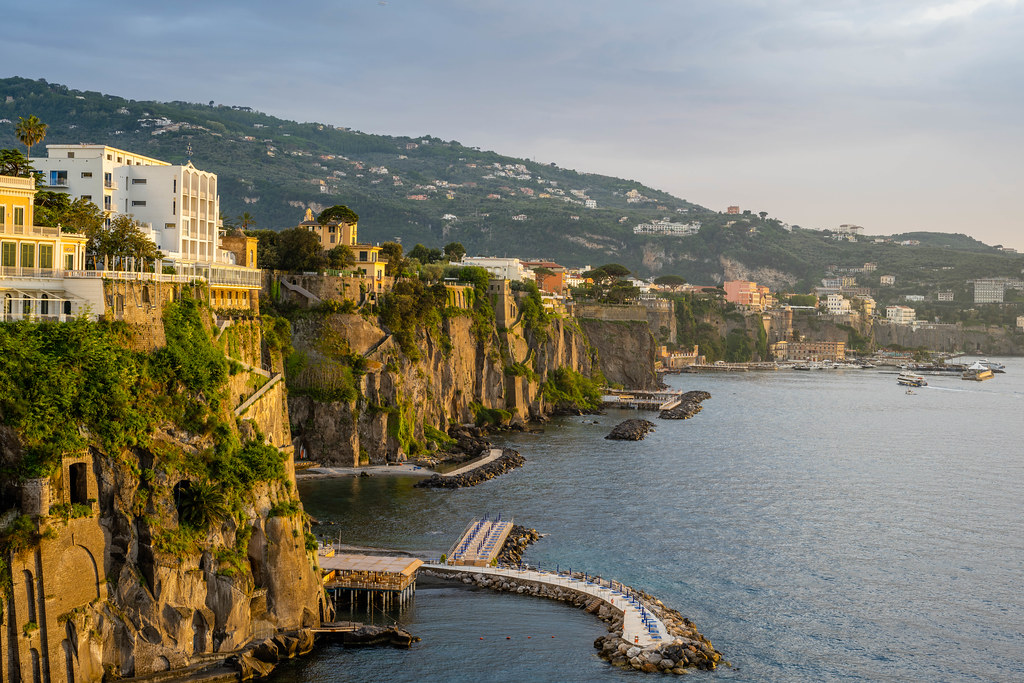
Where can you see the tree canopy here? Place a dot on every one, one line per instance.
(670, 280)
(57, 208)
(14, 163)
(339, 213)
(123, 238)
(299, 250)
(454, 251)
(340, 257)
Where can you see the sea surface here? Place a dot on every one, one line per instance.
(816, 526)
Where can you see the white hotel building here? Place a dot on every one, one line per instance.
(177, 205)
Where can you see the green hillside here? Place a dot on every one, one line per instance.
(410, 188)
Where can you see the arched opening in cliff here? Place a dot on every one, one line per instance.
(70, 645)
(256, 553)
(180, 491)
(78, 484)
(200, 633)
(30, 596)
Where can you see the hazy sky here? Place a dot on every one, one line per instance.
(893, 115)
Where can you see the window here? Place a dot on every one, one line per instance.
(44, 305)
(87, 174)
(7, 255)
(110, 157)
(28, 255)
(174, 207)
(71, 155)
(3, 216)
(136, 202)
(106, 202)
(46, 256)
(87, 197)
(138, 181)
(69, 261)
(174, 186)
(19, 215)
(362, 256)
(120, 160)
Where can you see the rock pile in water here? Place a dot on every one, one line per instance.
(261, 659)
(689, 405)
(506, 462)
(515, 544)
(631, 430)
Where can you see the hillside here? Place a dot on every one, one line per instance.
(434, 191)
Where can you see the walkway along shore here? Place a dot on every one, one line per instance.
(644, 634)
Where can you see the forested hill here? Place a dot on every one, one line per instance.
(434, 191)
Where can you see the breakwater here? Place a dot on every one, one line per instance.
(489, 469)
(644, 634)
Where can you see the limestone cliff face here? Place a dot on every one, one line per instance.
(106, 579)
(399, 396)
(626, 351)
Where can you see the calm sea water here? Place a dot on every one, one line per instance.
(815, 525)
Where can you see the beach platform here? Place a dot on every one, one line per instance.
(387, 580)
(481, 542)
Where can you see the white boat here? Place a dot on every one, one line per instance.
(909, 379)
(993, 365)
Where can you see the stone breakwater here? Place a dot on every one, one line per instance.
(515, 544)
(687, 650)
(631, 430)
(689, 405)
(506, 462)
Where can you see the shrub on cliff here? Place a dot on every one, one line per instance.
(565, 389)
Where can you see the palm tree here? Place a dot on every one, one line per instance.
(30, 131)
(245, 220)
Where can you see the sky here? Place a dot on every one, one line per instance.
(893, 115)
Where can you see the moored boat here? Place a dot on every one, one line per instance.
(977, 372)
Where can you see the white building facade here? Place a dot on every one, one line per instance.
(837, 304)
(178, 206)
(900, 315)
(505, 268)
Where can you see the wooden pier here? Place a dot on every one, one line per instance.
(642, 400)
(377, 581)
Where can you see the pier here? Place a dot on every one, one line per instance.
(481, 542)
(640, 626)
(387, 581)
(643, 400)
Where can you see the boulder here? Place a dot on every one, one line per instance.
(631, 430)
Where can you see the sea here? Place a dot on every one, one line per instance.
(816, 526)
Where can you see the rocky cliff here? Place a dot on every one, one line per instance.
(164, 532)
(459, 377)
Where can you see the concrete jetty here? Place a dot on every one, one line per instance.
(640, 626)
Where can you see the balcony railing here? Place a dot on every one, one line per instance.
(19, 271)
(33, 230)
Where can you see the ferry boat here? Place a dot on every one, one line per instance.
(977, 372)
(909, 379)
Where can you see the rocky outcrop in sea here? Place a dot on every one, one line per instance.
(631, 430)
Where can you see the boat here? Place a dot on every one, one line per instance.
(909, 379)
(977, 372)
(993, 365)
(911, 392)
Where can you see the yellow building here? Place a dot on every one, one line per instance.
(368, 259)
(38, 264)
(237, 285)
